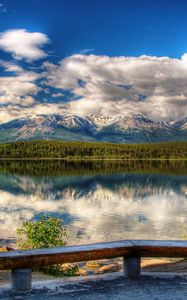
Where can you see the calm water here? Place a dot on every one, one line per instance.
(98, 201)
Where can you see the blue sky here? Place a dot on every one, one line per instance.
(115, 27)
(102, 57)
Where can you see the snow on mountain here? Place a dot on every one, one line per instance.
(182, 124)
(119, 129)
(102, 121)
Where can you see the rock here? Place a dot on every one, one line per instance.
(66, 267)
(73, 270)
(93, 264)
(6, 249)
(82, 272)
(108, 269)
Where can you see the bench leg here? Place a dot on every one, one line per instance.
(21, 280)
(132, 268)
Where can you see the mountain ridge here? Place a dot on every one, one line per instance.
(117, 129)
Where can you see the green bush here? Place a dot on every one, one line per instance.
(46, 233)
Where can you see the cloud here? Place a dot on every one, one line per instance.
(18, 93)
(85, 51)
(18, 89)
(57, 95)
(28, 106)
(148, 85)
(23, 44)
(10, 67)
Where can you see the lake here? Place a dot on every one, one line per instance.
(98, 200)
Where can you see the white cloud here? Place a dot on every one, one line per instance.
(10, 67)
(57, 95)
(23, 44)
(29, 106)
(152, 86)
(18, 89)
(86, 51)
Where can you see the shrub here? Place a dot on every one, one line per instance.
(45, 233)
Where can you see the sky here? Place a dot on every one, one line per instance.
(93, 57)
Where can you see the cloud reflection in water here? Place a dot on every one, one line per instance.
(97, 208)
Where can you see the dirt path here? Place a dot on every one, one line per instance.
(114, 287)
(164, 280)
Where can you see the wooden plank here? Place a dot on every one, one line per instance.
(140, 248)
(170, 243)
(160, 248)
(43, 257)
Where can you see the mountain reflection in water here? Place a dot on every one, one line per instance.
(98, 201)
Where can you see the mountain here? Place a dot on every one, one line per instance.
(117, 129)
(134, 129)
(181, 125)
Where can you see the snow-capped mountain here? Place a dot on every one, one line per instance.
(181, 125)
(102, 121)
(118, 129)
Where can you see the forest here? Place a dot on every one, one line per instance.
(86, 150)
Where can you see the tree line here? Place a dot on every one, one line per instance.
(87, 150)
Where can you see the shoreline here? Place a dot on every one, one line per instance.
(92, 159)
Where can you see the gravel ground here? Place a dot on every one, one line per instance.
(112, 286)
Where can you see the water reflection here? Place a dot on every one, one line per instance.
(97, 205)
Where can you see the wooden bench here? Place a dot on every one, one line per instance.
(22, 262)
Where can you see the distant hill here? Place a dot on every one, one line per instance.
(116, 129)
